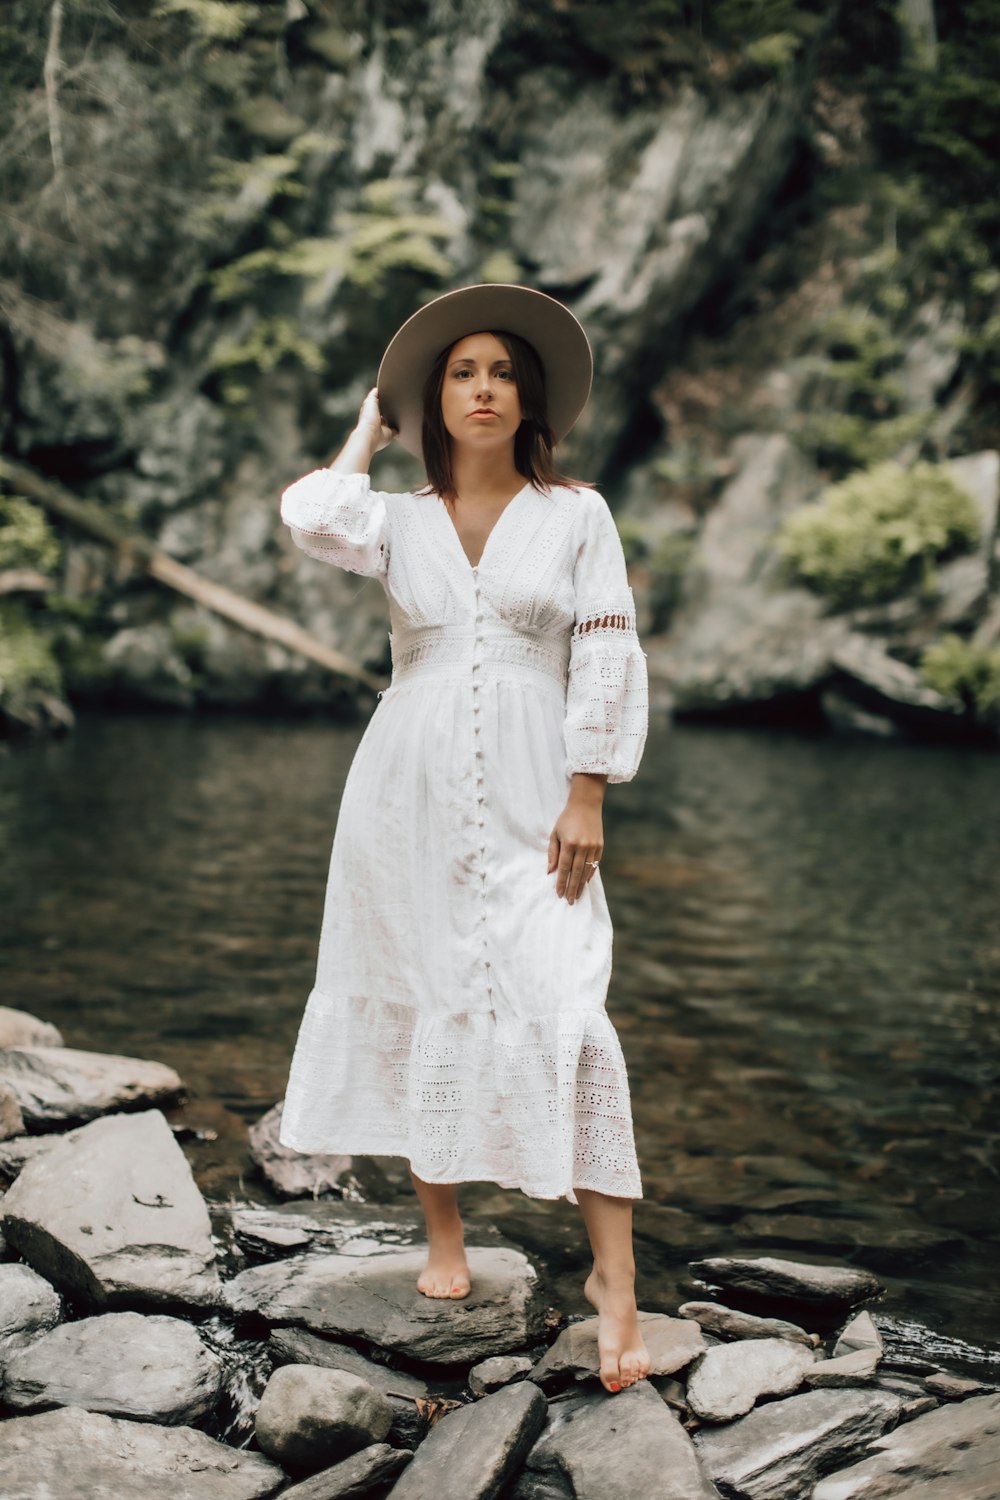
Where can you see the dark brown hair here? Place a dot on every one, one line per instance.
(533, 441)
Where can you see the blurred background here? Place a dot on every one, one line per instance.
(778, 221)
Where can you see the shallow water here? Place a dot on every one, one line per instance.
(807, 977)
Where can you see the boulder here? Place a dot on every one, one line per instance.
(857, 1368)
(788, 1280)
(333, 1224)
(472, 1453)
(672, 1343)
(295, 1174)
(356, 1478)
(309, 1417)
(74, 1454)
(153, 1369)
(18, 1028)
(405, 1393)
(56, 1085)
(730, 1379)
(111, 1214)
(28, 1306)
(726, 1323)
(952, 1453)
(375, 1298)
(953, 1387)
(493, 1374)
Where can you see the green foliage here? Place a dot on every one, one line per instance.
(664, 562)
(27, 665)
(269, 341)
(26, 538)
(213, 20)
(843, 441)
(965, 670)
(773, 54)
(879, 532)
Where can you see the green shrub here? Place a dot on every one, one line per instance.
(879, 532)
(962, 669)
(26, 538)
(27, 665)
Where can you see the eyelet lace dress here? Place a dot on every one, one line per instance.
(458, 1014)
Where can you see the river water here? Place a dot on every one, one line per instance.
(806, 986)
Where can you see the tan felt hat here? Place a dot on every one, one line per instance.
(556, 335)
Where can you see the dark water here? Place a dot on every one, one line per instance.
(807, 977)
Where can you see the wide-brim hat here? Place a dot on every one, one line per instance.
(504, 307)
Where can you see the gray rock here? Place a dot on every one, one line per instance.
(493, 1374)
(949, 1454)
(153, 1369)
(788, 1280)
(859, 1333)
(14, 1153)
(356, 1478)
(72, 1454)
(28, 1306)
(294, 1174)
(112, 1215)
(672, 1343)
(375, 1298)
(404, 1392)
(953, 1387)
(54, 1085)
(730, 1379)
(11, 1118)
(18, 1028)
(348, 1228)
(142, 663)
(726, 1323)
(309, 1417)
(781, 1448)
(472, 1453)
(603, 1447)
(857, 1368)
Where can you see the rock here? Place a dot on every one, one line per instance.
(153, 1369)
(728, 1380)
(884, 684)
(859, 1333)
(356, 1478)
(499, 1371)
(788, 1280)
(54, 1085)
(111, 1214)
(725, 1323)
(87, 1456)
(293, 1174)
(404, 1392)
(11, 1118)
(28, 1306)
(953, 1387)
(472, 1453)
(348, 1228)
(14, 1153)
(780, 1449)
(672, 1343)
(310, 1417)
(375, 1298)
(143, 665)
(603, 1447)
(856, 1368)
(18, 1028)
(949, 1454)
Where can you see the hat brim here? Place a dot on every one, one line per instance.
(556, 335)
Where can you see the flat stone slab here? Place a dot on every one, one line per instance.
(598, 1446)
(780, 1449)
(859, 1333)
(375, 1298)
(788, 1280)
(152, 1369)
(857, 1368)
(85, 1455)
(356, 1478)
(728, 1381)
(59, 1085)
(112, 1215)
(348, 1228)
(949, 1454)
(726, 1323)
(672, 1343)
(405, 1393)
(19, 1028)
(28, 1306)
(297, 1174)
(472, 1453)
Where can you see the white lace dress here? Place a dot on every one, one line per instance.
(458, 1014)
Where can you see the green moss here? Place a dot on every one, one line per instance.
(962, 669)
(26, 538)
(27, 664)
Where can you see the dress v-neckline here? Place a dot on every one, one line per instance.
(475, 566)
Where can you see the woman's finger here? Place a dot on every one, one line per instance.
(576, 879)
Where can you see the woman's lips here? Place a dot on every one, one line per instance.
(482, 414)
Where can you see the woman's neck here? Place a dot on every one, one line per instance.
(485, 477)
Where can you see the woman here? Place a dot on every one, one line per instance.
(458, 1016)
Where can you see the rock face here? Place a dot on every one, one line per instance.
(56, 1085)
(18, 1028)
(293, 1174)
(76, 1453)
(356, 1478)
(729, 1380)
(309, 1417)
(375, 1298)
(28, 1306)
(672, 1343)
(493, 1374)
(153, 1369)
(788, 1280)
(949, 1454)
(726, 1323)
(111, 1214)
(471, 1453)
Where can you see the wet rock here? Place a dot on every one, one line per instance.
(112, 1215)
(613, 1448)
(725, 1323)
(348, 1228)
(730, 1379)
(781, 1448)
(404, 1392)
(18, 1028)
(356, 1478)
(859, 1333)
(953, 1387)
(11, 1118)
(87, 1456)
(788, 1280)
(309, 1417)
(493, 1374)
(293, 1174)
(28, 1306)
(949, 1454)
(672, 1343)
(153, 1369)
(375, 1298)
(472, 1453)
(856, 1368)
(54, 1085)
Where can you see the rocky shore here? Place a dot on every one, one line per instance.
(153, 1344)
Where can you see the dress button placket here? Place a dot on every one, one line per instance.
(480, 795)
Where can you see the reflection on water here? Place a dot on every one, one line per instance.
(806, 975)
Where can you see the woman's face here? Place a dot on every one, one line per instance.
(479, 376)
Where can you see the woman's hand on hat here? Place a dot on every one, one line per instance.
(372, 423)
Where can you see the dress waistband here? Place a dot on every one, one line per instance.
(457, 650)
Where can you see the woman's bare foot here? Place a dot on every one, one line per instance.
(446, 1273)
(624, 1358)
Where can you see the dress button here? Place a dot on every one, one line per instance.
(480, 798)
(481, 821)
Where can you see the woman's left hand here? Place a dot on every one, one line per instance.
(576, 843)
